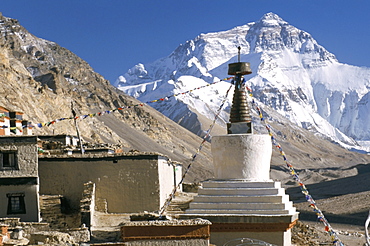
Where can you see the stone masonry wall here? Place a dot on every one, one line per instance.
(26, 148)
(51, 209)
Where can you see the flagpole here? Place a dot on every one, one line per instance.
(77, 130)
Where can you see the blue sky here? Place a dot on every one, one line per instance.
(114, 35)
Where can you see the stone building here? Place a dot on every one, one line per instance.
(124, 182)
(19, 183)
(63, 139)
(12, 123)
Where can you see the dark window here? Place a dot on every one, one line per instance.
(16, 203)
(14, 115)
(8, 160)
(12, 125)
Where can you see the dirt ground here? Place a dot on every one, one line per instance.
(308, 233)
(346, 214)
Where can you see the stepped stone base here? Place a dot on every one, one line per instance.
(241, 208)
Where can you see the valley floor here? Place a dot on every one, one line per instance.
(346, 214)
(309, 233)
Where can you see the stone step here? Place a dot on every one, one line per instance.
(240, 184)
(202, 212)
(241, 191)
(246, 206)
(173, 208)
(242, 198)
(174, 214)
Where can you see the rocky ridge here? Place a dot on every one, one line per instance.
(42, 79)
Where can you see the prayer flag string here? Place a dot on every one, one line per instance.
(312, 204)
(208, 132)
(186, 92)
(30, 125)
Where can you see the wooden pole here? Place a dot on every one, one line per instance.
(77, 130)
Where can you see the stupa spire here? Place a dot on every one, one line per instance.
(240, 117)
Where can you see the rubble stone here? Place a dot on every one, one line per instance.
(52, 238)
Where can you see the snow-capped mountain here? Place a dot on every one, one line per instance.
(292, 74)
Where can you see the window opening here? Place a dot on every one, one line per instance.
(8, 160)
(16, 203)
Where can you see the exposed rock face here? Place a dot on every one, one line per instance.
(41, 79)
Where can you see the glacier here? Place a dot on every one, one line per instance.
(292, 74)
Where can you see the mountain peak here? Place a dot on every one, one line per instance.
(290, 68)
(272, 19)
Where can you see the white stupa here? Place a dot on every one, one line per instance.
(242, 201)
